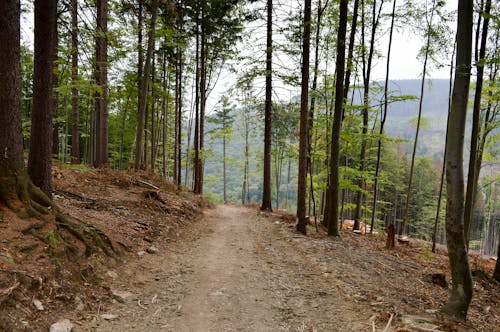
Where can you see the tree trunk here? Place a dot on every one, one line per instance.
(153, 117)
(443, 169)
(244, 189)
(141, 118)
(40, 156)
(203, 104)
(496, 273)
(384, 118)
(350, 52)
(461, 291)
(224, 167)
(75, 139)
(415, 143)
(304, 122)
(470, 196)
(266, 193)
(196, 140)
(333, 186)
(101, 77)
(11, 140)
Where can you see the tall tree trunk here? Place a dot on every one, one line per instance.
(313, 105)
(153, 117)
(164, 110)
(11, 140)
(350, 52)
(496, 273)
(40, 156)
(244, 189)
(140, 67)
(384, 118)
(461, 291)
(333, 186)
(266, 193)
(141, 119)
(224, 167)
(304, 122)
(101, 76)
(470, 196)
(196, 140)
(420, 105)
(75, 139)
(203, 103)
(178, 111)
(443, 169)
(367, 67)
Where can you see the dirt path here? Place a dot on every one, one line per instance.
(234, 271)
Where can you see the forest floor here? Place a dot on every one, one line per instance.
(234, 268)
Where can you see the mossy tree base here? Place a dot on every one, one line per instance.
(47, 222)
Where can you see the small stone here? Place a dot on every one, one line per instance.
(431, 311)
(80, 306)
(141, 253)
(38, 305)
(63, 325)
(109, 316)
(122, 296)
(112, 274)
(152, 250)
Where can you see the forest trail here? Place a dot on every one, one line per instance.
(234, 271)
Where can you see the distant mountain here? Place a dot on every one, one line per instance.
(434, 113)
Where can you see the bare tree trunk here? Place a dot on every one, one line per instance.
(461, 291)
(415, 143)
(367, 66)
(164, 109)
(224, 167)
(203, 103)
(101, 76)
(11, 140)
(471, 193)
(443, 170)
(244, 190)
(333, 186)
(304, 122)
(75, 139)
(266, 194)
(384, 118)
(40, 156)
(154, 129)
(496, 273)
(141, 119)
(196, 141)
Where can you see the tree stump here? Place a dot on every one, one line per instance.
(391, 235)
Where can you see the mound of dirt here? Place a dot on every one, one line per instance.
(40, 283)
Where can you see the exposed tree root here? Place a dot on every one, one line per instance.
(93, 238)
(29, 203)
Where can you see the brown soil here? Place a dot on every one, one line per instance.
(232, 269)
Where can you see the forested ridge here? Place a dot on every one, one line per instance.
(296, 107)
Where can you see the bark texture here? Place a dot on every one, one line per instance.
(333, 186)
(474, 166)
(304, 123)
(101, 76)
(11, 144)
(40, 156)
(75, 145)
(266, 193)
(461, 291)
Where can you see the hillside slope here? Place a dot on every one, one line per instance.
(38, 284)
